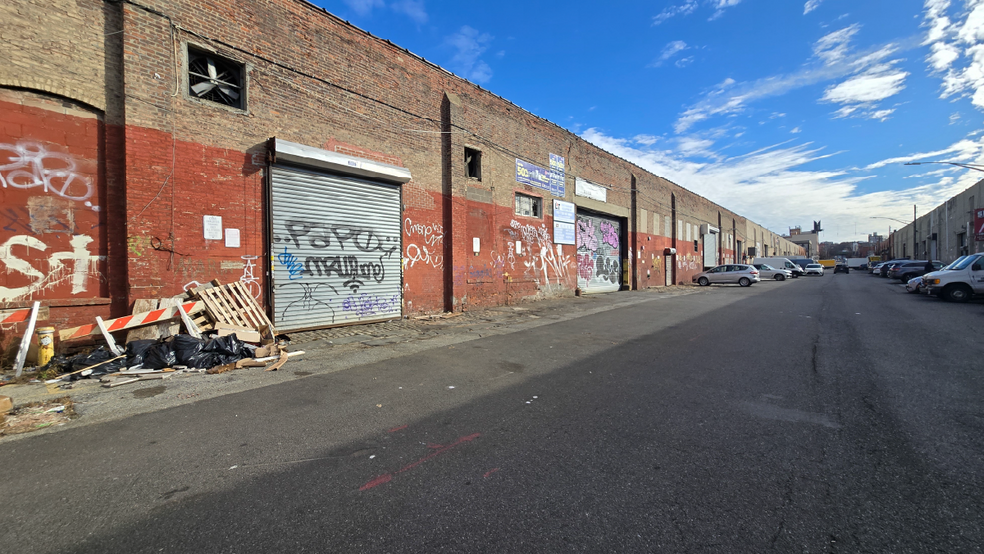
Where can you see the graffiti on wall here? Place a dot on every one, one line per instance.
(425, 244)
(249, 278)
(74, 266)
(29, 165)
(599, 263)
(50, 245)
(544, 263)
(334, 268)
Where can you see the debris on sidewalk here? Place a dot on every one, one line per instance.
(225, 329)
(37, 415)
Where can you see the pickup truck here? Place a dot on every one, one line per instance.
(959, 281)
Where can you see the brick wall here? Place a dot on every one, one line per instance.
(175, 158)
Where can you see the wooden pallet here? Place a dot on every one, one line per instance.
(234, 305)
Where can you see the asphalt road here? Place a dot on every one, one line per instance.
(823, 414)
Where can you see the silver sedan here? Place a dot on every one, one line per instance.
(741, 274)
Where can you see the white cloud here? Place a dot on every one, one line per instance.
(873, 85)
(954, 117)
(671, 49)
(957, 49)
(470, 45)
(777, 173)
(720, 6)
(810, 6)
(686, 8)
(960, 151)
(364, 7)
(414, 9)
(684, 62)
(795, 130)
(869, 74)
(832, 48)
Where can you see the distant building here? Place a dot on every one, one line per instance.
(875, 238)
(809, 241)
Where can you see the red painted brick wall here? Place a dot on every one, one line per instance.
(54, 232)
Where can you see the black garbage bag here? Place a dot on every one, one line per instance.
(188, 350)
(136, 349)
(228, 349)
(56, 365)
(159, 356)
(98, 355)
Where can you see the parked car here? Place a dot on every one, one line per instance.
(814, 269)
(883, 271)
(802, 263)
(842, 267)
(907, 270)
(780, 263)
(914, 285)
(742, 274)
(766, 271)
(959, 281)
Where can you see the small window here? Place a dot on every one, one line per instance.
(530, 206)
(473, 163)
(216, 79)
(695, 246)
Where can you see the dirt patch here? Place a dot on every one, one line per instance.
(38, 415)
(149, 392)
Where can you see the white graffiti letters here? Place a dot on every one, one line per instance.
(28, 165)
(531, 234)
(430, 234)
(83, 264)
(421, 254)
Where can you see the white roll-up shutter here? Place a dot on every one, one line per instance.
(336, 249)
(599, 258)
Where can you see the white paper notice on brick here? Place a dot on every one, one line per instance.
(213, 227)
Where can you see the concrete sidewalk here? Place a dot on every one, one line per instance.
(326, 351)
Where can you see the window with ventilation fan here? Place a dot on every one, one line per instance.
(216, 79)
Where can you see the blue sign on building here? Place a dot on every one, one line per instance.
(557, 175)
(551, 180)
(532, 175)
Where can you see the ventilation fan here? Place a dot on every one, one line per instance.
(214, 79)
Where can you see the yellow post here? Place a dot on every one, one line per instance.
(46, 345)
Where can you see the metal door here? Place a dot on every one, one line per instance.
(599, 261)
(336, 249)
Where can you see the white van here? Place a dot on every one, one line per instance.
(958, 281)
(780, 263)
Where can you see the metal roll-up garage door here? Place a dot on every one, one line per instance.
(599, 258)
(336, 249)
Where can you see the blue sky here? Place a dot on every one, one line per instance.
(786, 111)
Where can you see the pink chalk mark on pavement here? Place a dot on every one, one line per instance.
(490, 472)
(400, 428)
(387, 477)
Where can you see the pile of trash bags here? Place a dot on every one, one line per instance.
(188, 351)
(183, 350)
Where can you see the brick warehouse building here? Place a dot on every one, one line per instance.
(148, 146)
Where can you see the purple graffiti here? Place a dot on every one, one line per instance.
(609, 234)
(365, 304)
(586, 235)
